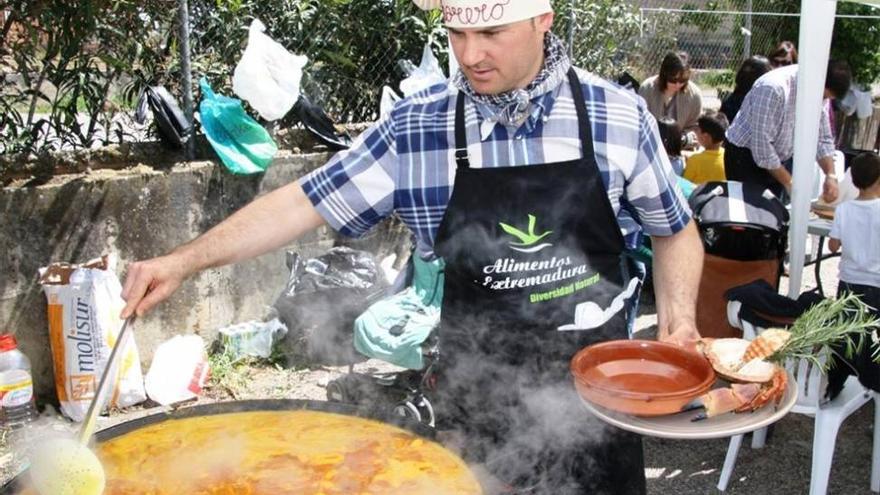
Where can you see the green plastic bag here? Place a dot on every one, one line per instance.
(241, 142)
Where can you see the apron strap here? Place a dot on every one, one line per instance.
(461, 153)
(584, 126)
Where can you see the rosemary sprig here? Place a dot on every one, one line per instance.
(843, 322)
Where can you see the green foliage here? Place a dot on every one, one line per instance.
(67, 57)
(352, 45)
(76, 67)
(718, 79)
(858, 42)
(845, 323)
(605, 36)
(854, 40)
(705, 22)
(773, 28)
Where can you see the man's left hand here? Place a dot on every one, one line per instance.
(830, 189)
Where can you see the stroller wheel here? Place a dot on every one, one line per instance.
(336, 391)
(407, 409)
(426, 411)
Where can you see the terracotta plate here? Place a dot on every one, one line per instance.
(641, 377)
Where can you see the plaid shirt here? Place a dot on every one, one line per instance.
(405, 162)
(765, 123)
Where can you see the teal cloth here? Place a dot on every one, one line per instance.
(428, 280)
(241, 142)
(394, 329)
(687, 187)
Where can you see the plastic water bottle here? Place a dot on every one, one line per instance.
(17, 406)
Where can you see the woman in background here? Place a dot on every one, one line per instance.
(749, 72)
(670, 94)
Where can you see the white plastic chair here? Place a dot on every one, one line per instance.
(829, 416)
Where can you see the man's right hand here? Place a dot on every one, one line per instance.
(151, 281)
(830, 189)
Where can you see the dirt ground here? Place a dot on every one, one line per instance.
(672, 467)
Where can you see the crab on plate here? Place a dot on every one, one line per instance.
(755, 381)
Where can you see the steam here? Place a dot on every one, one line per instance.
(207, 458)
(506, 390)
(47, 428)
(507, 418)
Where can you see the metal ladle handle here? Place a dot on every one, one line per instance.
(88, 426)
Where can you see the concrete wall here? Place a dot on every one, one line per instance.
(138, 213)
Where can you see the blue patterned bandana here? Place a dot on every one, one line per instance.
(513, 107)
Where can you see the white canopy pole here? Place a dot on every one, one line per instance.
(817, 24)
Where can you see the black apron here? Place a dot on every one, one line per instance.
(524, 246)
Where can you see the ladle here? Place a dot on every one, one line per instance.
(64, 466)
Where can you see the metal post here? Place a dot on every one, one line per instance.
(571, 20)
(641, 24)
(186, 77)
(747, 41)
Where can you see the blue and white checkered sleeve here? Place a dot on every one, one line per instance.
(826, 139)
(652, 188)
(767, 114)
(354, 191)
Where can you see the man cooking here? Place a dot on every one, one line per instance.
(530, 178)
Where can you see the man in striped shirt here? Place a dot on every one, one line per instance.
(760, 141)
(530, 178)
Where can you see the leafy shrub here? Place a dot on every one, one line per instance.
(352, 45)
(68, 57)
(718, 79)
(605, 35)
(73, 70)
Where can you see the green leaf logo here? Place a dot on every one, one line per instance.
(526, 238)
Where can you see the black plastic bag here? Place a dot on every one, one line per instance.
(323, 297)
(174, 129)
(319, 124)
(627, 81)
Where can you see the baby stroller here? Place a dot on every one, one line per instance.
(744, 229)
(401, 330)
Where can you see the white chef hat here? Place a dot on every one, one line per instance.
(485, 13)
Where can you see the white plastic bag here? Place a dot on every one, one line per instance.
(857, 102)
(84, 306)
(389, 98)
(179, 370)
(267, 76)
(427, 74)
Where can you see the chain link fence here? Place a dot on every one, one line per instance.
(71, 94)
(716, 35)
(719, 35)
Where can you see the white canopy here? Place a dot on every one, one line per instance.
(817, 24)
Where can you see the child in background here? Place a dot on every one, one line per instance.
(856, 228)
(708, 165)
(671, 136)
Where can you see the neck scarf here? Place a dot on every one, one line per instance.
(513, 107)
